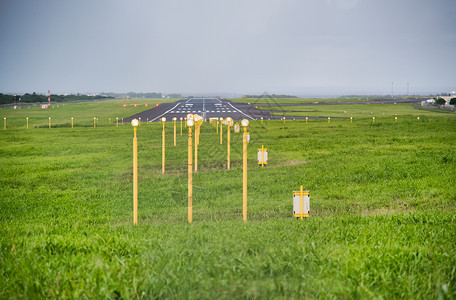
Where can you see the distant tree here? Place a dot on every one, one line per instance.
(453, 101)
(440, 101)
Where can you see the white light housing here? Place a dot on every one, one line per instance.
(163, 119)
(181, 118)
(134, 122)
(245, 122)
(174, 119)
(189, 123)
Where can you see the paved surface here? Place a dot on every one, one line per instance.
(222, 108)
(205, 107)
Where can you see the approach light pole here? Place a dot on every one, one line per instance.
(190, 124)
(174, 121)
(244, 123)
(135, 124)
(229, 121)
(163, 145)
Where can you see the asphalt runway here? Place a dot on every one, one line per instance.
(205, 107)
(223, 108)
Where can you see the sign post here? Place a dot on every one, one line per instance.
(301, 206)
(262, 156)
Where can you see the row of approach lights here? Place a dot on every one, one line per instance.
(136, 105)
(236, 126)
(192, 120)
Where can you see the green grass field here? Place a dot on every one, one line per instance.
(279, 101)
(82, 113)
(382, 224)
(357, 111)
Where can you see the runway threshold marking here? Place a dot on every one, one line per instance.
(165, 112)
(240, 111)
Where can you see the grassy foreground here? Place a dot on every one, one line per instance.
(383, 212)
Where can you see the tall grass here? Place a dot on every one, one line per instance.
(382, 223)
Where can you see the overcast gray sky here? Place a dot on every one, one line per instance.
(304, 47)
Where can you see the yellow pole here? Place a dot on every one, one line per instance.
(181, 126)
(301, 202)
(174, 120)
(221, 133)
(198, 127)
(373, 119)
(283, 120)
(228, 137)
(135, 178)
(306, 120)
(262, 156)
(117, 122)
(27, 122)
(72, 120)
(261, 120)
(329, 120)
(109, 121)
(49, 122)
(217, 126)
(395, 119)
(190, 174)
(244, 176)
(94, 122)
(4, 124)
(163, 149)
(351, 119)
(196, 148)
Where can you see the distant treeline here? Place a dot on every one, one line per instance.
(30, 98)
(142, 95)
(269, 96)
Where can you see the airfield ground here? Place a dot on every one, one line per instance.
(382, 224)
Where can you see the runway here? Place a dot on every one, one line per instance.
(205, 107)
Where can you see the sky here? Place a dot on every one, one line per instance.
(298, 47)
